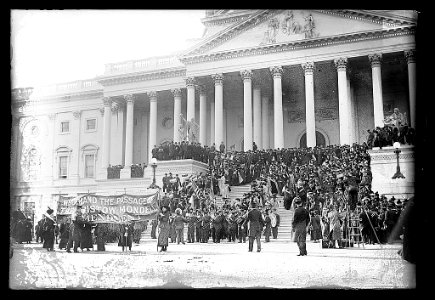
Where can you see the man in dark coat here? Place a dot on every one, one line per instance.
(301, 219)
(86, 236)
(256, 224)
(222, 147)
(48, 230)
(75, 231)
(206, 220)
(217, 225)
(191, 226)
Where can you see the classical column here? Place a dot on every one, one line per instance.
(278, 123)
(378, 107)
(129, 103)
(212, 123)
(412, 81)
(343, 101)
(310, 114)
(219, 109)
(202, 115)
(177, 112)
(257, 116)
(190, 85)
(265, 121)
(153, 123)
(105, 159)
(247, 109)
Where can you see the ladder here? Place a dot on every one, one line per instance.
(354, 229)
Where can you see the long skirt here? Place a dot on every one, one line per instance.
(163, 236)
(48, 239)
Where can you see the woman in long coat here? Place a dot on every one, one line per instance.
(86, 237)
(335, 226)
(48, 230)
(126, 236)
(267, 226)
(28, 230)
(162, 240)
(316, 231)
(172, 231)
(101, 234)
(64, 234)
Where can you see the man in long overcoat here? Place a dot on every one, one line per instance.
(256, 224)
(301, 219)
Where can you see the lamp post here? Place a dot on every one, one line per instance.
(154, 166)
(398, 174)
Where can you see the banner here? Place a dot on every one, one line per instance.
(111, 209)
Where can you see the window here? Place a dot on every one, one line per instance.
(64, 127)
(89, 165)
(91, 124)
(63, 166)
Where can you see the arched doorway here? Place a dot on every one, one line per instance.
(320, 140)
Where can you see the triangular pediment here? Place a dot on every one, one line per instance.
(268, 27)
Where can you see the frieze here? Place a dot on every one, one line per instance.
(321, 114)
(298, 45)
(357, 15)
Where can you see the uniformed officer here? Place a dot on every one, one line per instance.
(301, 219)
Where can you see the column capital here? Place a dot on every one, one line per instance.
(129, 98)
(375, 59)
(410, 56)
(340, 63)
(276, 71)
(202, 90)
(246, 74)
(176, 92)
(152, 95)
(218, 78)
(190, 82)
(115, 107)
(77, 114)
(107, 101)
(308, 67)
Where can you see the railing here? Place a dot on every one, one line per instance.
(142, 64)
(73, 86)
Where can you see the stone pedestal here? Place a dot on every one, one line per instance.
(383, 166)
(125, 173)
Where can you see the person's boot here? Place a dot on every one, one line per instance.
(251, 244)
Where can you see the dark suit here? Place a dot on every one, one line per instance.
(255, 220)
(300, 222)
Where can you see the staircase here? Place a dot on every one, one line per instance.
(284, 230)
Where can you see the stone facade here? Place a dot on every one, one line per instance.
(66, 135)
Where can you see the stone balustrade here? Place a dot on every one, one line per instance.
(142, 65)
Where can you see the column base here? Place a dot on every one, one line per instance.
(125, 173)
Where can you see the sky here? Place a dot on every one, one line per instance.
(57, 46)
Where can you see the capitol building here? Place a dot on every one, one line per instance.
(279, 78)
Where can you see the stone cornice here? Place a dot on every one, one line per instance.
(135, 77)
(366, 16)
(298, 45)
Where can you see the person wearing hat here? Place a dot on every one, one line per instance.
(191, 218)
(205, 228)
(301, 219)
(256, 223)
(275, 220)
(179, 221)
(126, 235)
(154, 228)
(75, 230)
(28, 230)
(48, 230)
(164, 227)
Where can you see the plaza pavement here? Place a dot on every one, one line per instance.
(224, 265)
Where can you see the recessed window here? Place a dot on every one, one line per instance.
(91, 124)
(89, 165)
(64, 127)
(63, 166)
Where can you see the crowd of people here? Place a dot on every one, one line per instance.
(137, 171)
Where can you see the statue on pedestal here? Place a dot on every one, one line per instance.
(189, 130)
(396, 119)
